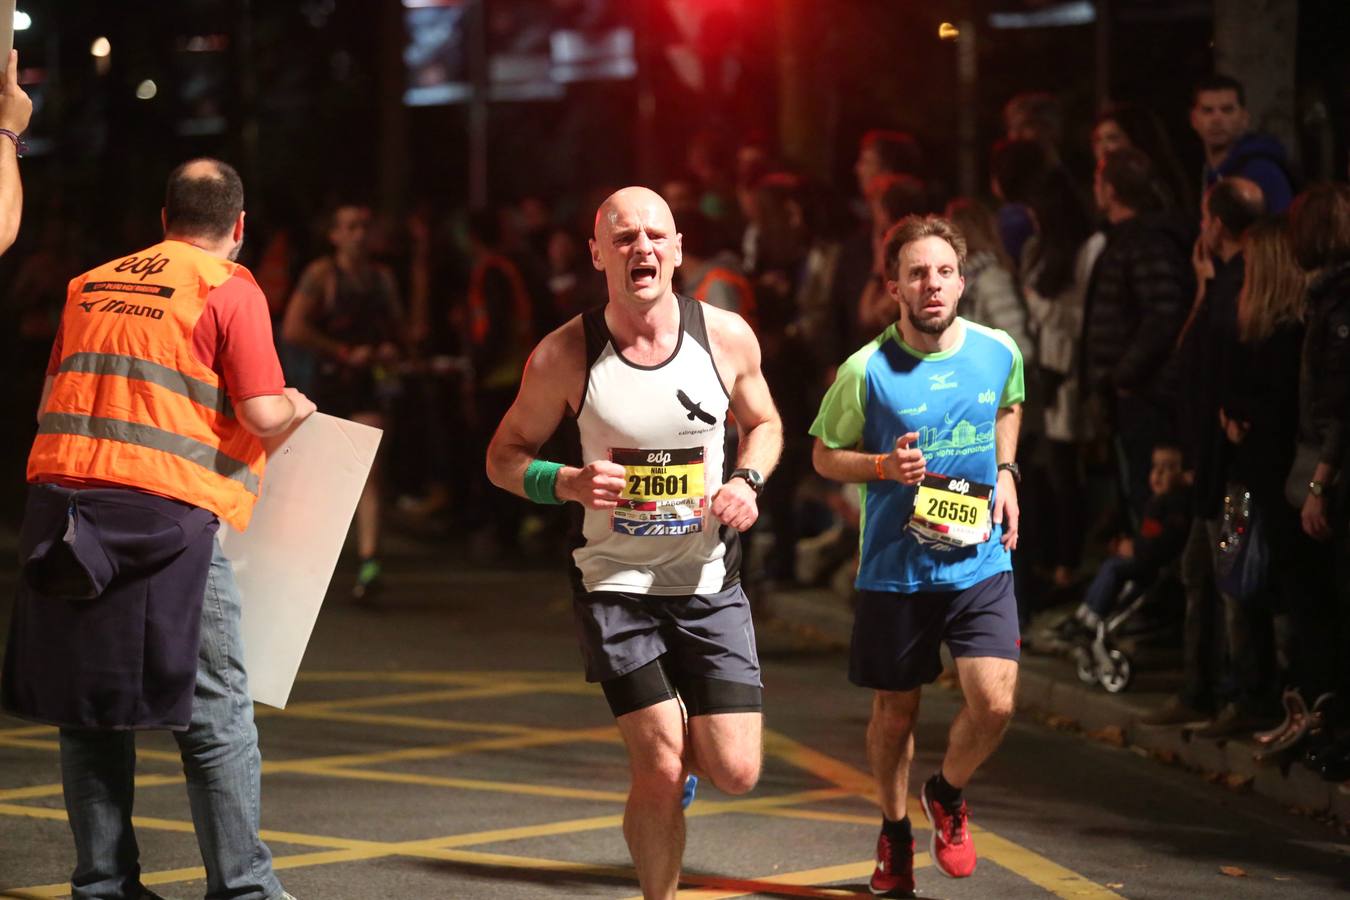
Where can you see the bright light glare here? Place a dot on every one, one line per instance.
(101, 47)
(22, 20)
(146, 90)
(948, 32)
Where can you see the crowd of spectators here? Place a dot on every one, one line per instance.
(1186, 340)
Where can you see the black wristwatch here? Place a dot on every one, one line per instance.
(1014, 468)
(752, 478)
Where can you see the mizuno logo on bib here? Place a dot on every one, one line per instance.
(951, 511)
(663, 494)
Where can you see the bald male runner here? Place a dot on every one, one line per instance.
(650, 378)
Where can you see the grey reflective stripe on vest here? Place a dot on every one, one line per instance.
(204, 455)
(196, 390)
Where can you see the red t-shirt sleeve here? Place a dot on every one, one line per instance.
(54, 361)
(234, 338)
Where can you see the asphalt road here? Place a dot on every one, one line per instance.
(443, 744)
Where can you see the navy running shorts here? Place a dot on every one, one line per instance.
(702, 635)
(897, 637)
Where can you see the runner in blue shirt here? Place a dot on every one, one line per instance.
(926, 418)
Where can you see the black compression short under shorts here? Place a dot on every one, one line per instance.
(653, 683)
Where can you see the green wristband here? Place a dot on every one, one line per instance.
(541, 481)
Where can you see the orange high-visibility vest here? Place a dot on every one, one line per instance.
(509, 370)
(739, 282)
(131, 404)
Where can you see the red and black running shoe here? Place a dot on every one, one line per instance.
(894, 874)
(952, 849)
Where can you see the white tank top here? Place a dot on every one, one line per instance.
(666, 425)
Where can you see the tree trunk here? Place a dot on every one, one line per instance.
(799, 96)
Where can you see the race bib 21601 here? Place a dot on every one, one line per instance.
(663, 494)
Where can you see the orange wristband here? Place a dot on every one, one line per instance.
(881, 473)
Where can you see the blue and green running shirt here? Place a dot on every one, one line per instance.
(951, 399)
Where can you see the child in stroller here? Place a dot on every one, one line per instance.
(1135, 567)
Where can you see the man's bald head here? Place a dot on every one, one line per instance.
(1237, 203)
(642, 201)
(203, 199)
(636, 245)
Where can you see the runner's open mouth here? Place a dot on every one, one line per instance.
(643, 274)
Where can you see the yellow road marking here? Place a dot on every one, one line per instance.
(592, 823)
(823, 766)
(50, 890)
(446, 848)
(34, 744)
(468, 784)
(849, 780)
(372, 849)
(32, 812)
(28, 731)
(433, 676)
(424, 722)
(791, 884)
(822, 816)
(1038, 870)
(435, 849)
(440, 751)
(54, 790)
(59, 814)
(408, 697)
(772, 801)
(531, 737)
(479, 858)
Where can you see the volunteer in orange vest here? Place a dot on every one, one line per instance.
(712, 273)
(162, 379)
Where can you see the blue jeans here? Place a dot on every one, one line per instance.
(1103, 593)
(220, 761)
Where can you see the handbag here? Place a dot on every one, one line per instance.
(1242, 563)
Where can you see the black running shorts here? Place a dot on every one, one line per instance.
(897, 638)
(701, 640)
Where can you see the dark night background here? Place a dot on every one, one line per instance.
(305, 97)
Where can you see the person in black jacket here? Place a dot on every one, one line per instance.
(1258, 416)
(1228, 209)
(1136, 305)
(1319, 222)
(1320, 227)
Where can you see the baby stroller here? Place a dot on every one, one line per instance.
(1143, 629)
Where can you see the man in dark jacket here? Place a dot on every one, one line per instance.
(1219, 116)
(1135, 308)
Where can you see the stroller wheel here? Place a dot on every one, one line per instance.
(1083, 663)
(1116, 677)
